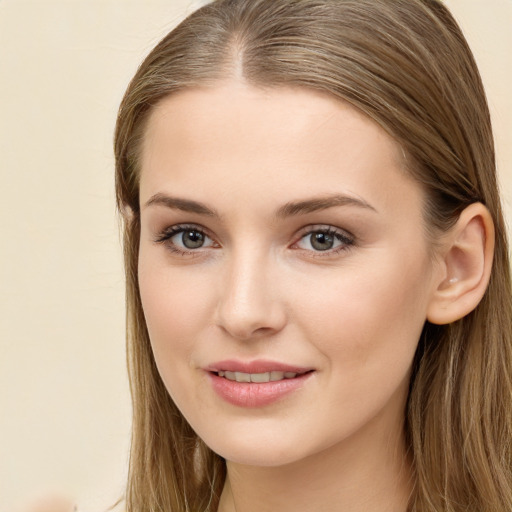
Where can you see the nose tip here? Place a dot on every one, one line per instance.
(246, 325)
(253, 317)
(250, 306)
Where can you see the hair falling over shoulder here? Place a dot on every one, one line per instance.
(383, 57)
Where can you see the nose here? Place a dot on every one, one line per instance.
(250, 305)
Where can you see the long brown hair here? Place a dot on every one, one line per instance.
(405, 64)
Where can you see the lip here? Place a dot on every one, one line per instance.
(258, 366)
(256, 394)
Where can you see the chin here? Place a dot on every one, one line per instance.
(257, 457)
(249, 451)
(270, 447)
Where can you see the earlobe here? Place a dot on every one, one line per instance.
(466, 262)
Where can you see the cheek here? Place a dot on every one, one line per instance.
(369, 323)
(176, 307)
(177, 310)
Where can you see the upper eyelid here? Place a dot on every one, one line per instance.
(314, 228)
(177, 228)
(168, 232)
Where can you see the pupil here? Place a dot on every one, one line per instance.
(192, 239)
(322, 241)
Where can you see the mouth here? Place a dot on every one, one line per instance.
(257, 383)
(259, 378)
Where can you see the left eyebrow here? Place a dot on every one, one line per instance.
(320, 203)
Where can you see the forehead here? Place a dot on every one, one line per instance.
(267, 142)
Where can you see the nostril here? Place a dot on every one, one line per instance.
(252, 324)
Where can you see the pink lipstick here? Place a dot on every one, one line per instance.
(256, 383)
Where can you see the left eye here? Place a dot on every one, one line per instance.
(324, 240)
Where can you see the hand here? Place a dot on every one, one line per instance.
(51, 503)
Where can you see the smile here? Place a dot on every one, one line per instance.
(257, 383)
(257, 377)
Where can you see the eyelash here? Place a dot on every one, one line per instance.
(346, 239)
(165, 236)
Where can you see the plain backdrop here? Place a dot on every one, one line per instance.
(64, 65)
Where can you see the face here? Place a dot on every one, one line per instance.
(284, 269)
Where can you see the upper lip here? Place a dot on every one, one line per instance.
(257, 366)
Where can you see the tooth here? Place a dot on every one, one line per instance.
(260, 377)
(272, 376)
(242, 377)
(276, 376)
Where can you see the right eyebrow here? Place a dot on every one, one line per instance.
(185, 205)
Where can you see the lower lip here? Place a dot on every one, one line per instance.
(255, 394)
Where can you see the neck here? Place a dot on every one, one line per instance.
(369, 471)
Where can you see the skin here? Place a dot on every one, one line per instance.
(258, 289)
(50, 502)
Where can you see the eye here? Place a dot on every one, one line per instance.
(325, 240)
(185, 239)
(190, 239)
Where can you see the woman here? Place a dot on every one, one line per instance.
(317, 268)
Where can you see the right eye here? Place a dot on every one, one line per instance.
(185, 239)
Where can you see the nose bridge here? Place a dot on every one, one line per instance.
(249, 304)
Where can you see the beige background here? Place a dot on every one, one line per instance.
(64, 64)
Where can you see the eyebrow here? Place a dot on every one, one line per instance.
(290, 209)
(185, 205)
(321, 203)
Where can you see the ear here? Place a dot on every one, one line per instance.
(465, 263)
